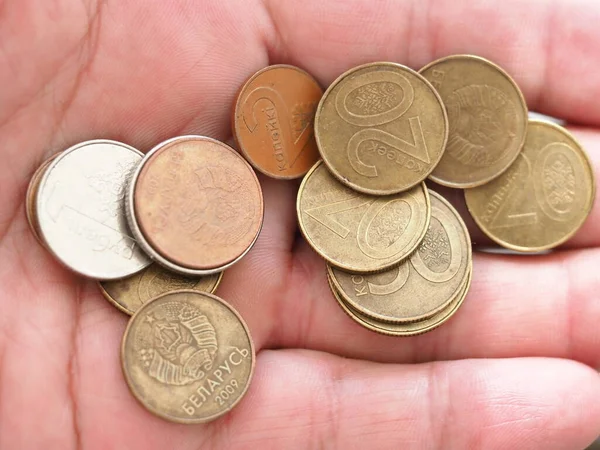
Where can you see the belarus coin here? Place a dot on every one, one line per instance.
(360, 232)
(31, 195)
(381, 128)
(405, 329)
(187, 356)
(487, 115)
(195, 205)
(79, 210)
(545, 196)
(129, 294)
(422, 285)
(273, 121)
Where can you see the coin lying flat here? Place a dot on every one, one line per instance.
(405, 329)
(359, 232)
(487, 115)
(79, 210)
(381, 128)
(187, 356)
(273, 121)
(195, 205)
(545, 196)
(421, 286)
(129, 294)
(31, 195)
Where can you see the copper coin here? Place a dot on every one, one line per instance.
(545, 196)
(195, 205)
(273, 121)
(129, 294)
(406, 329)
(359, 232)
(425, 283)
(31, 195)
(187, 356)
(381, 128)
(80, 210)
(487, 115)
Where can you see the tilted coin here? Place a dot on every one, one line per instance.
(545, 196)
(381, 128)
(31, 195)
(405, 329)
(422, 285)
(129, 294)
(195, 205)
(360, 232)
(187, 356)
(273, 121)
(487, 115)
(79, 210)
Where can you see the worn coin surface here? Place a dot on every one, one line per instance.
(31, 195)
(405, 329)
(360, 232)
(422, 285)
(487, 115)
(195, 205)
(545, 196)
(129, 294)
(273, 121)
(381, 128)
(79, 210)
(187, 356)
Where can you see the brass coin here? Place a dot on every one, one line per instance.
(381, 128)
(425, 283)
(273, 121)
(129, 294)
(406, 329)
(545, 196)
(31, 196)
(487, 115)
(359, 232)
(187, 356)
(195, 205)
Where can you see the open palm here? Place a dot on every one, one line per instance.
(512, 370)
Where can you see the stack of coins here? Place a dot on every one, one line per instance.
(158, 230)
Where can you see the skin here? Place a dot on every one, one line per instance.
(515, 367)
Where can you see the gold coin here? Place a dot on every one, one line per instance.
(359, 232)
(487, 115)
(424, 284)
(406, 329)
(128, 294)
(545, 196)
(187, 356)
(381, 128)
(31, 195)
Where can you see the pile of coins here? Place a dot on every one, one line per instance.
(158, 230)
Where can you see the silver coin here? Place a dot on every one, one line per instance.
(539, 116)
(80, 210)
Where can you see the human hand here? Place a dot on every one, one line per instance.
(509, 371)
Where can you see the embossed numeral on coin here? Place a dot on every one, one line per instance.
(273, 109)
(323, 214)
(509, 213)
(374, 104)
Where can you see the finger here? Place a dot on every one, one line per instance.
(303, 399)
(529, 306)
(544, 45)
(587, 236)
